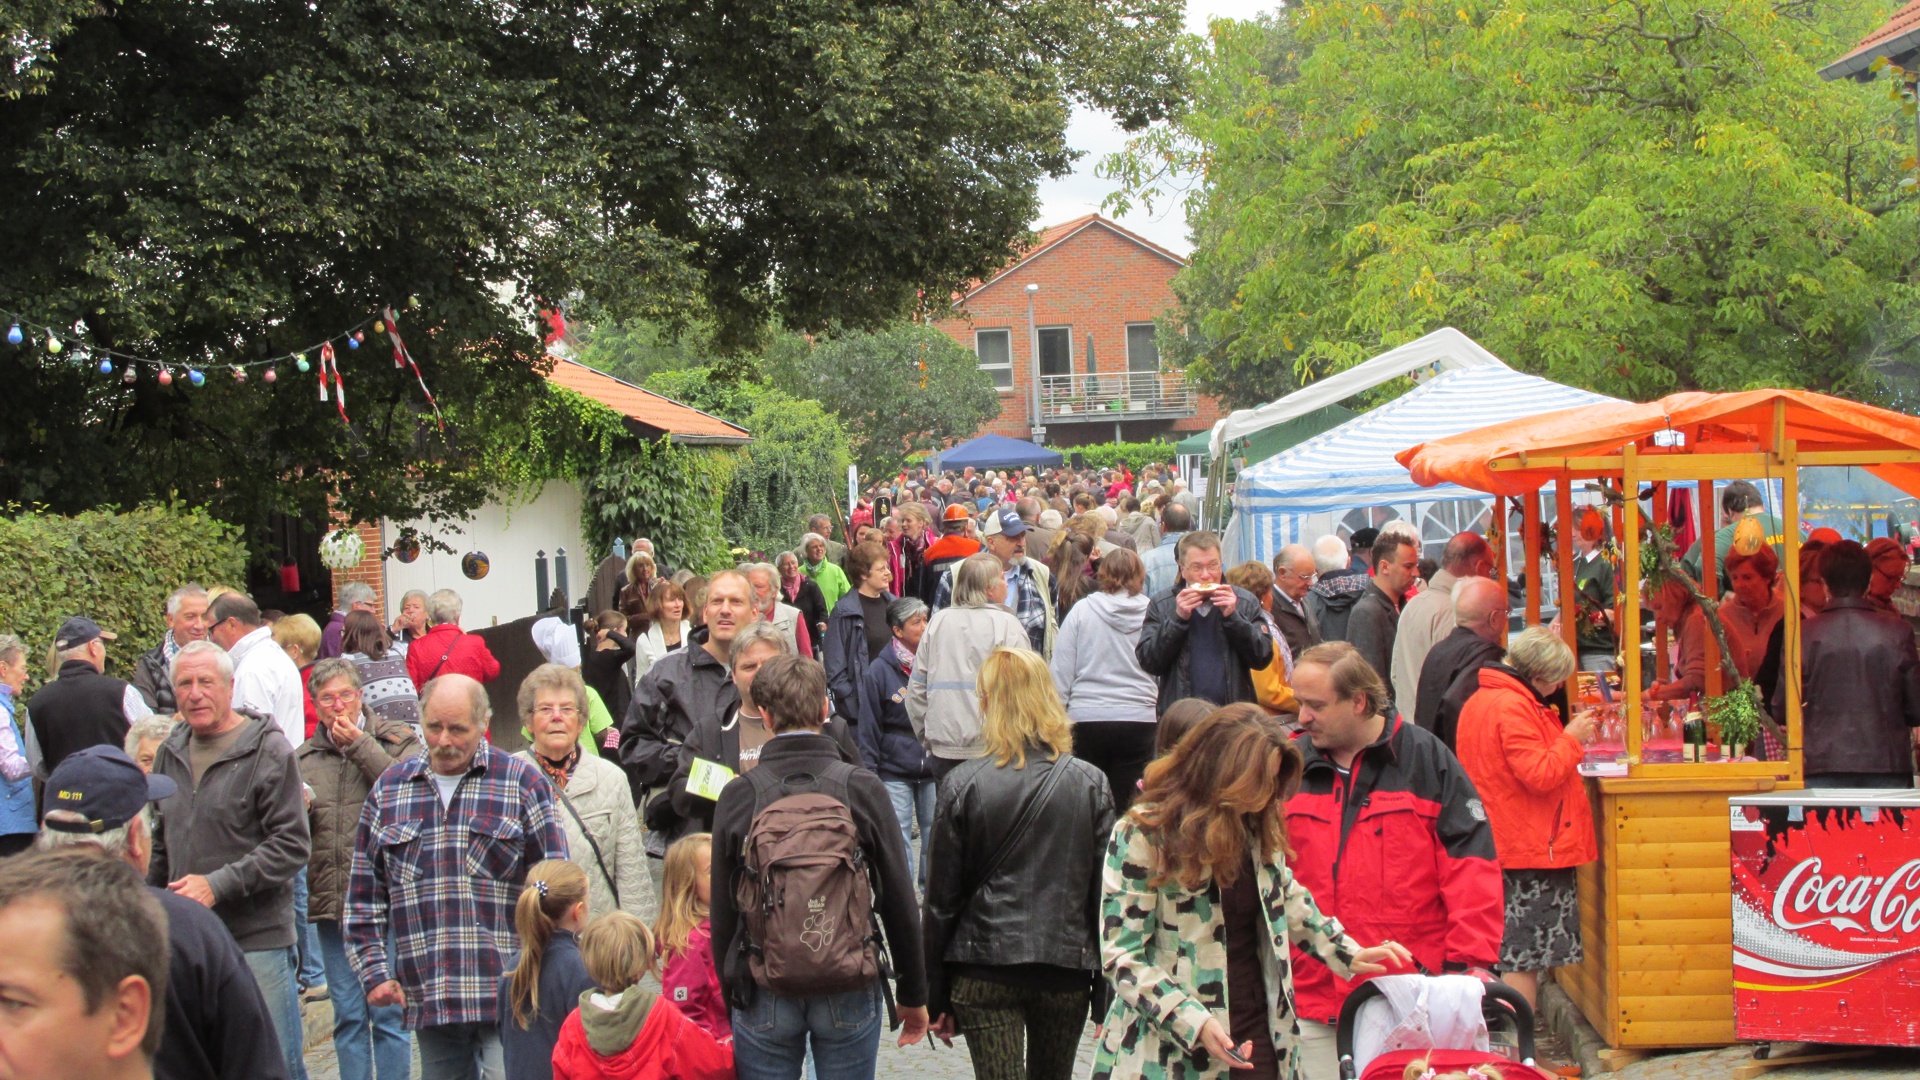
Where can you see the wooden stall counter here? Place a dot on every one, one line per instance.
(1655, 912)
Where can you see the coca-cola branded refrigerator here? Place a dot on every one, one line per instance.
(1826, 916)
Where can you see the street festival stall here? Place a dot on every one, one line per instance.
(1666, 947)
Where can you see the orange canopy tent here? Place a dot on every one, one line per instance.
(1522, 455)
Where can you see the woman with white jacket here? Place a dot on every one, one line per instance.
(667, 631)
(1112, 701)
(942, 696)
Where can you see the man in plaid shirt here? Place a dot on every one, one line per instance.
(444, 846)
(1029, 582)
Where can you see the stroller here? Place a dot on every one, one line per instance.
(1509, 1030)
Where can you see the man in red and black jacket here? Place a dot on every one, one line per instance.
(1389, 836)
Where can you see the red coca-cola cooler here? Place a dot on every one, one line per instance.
(1826, 916)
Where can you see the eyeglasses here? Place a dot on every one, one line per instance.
(548, 712)
(334, 701)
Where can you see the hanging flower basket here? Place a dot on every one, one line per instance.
(342, 549)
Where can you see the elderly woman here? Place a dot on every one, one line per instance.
(799, 591)
(1199, 907)
(1526, 769)
(942, 698)
(595, 804)
(145, 736)
(1676, 608)
(349, 748)
(857, 630)
(18, 823)
(1755, 610)
(885, 734)
(411, 624)
(1012, 927)
(822, 571)
(299, 637)
(385, 684)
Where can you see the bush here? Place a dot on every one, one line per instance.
(112, 567)
(664, 492)
(1108, 455)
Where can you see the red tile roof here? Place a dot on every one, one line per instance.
(1880, 42)
(1052, 235)
(683, 422)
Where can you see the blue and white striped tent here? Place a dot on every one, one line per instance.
(1352, 466)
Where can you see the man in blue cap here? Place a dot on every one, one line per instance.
(217, 1023)
(84, 706)
(1029, 582)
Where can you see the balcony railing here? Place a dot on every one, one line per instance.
(1108, 397)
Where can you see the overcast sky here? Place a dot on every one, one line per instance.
(1096, 133)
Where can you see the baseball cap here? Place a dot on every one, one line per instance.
(78, 630)
(1005, 523)
(104, 785)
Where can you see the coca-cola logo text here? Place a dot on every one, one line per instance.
(1890, 902)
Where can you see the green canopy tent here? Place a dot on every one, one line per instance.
(1267, 442)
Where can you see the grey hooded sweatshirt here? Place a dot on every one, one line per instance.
(1094, 665)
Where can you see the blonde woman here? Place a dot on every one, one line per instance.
(1013, 892)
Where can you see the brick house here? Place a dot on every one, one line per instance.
(1099, 288)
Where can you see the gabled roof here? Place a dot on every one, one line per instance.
(1896, 37)
(1054, 235)
(684, 424)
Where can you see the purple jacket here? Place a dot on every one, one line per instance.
(330, 636)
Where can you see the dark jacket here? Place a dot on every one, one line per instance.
(1162, 650)
(846, 653)
(528, 1051)
(811, 602)
(603, 670)
(1453, 662)
(217, 1027)
(788, 756)
(244, 828)
(1331, 600)
(888, 745)
(340, 780)
(681, 689)
(1042, 904)
(80, 708)
(1862, 690)
(1400, 850)
(1371, 627)
(151, 678)
(1297, 628)
(719, 742)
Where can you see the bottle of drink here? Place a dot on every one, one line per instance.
(1694, 736)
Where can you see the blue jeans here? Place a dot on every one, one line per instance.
(363, 1039)
(911, 797)
(273, 971)
(461, 1052)
(312, 971)
(770, 1039)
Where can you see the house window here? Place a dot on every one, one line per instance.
(1056, 350)
(995, 350)
(1143, 353)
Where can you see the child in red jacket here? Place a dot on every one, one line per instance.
(685, 937)
(625, 1032)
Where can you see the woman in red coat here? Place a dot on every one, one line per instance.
(1526, 768)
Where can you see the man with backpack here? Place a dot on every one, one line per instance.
(806, 854)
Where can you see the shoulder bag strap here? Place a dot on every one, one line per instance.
(592, 845)
(443, 658)
(1035, 803)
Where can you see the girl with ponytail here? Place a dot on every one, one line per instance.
(547, 978)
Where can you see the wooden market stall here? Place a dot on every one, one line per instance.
(1656, 906)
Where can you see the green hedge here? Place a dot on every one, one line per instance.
(115, 568)
(1109, 454)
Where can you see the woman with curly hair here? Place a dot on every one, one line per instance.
(1200, 908)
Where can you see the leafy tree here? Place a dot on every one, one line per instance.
(1636, 197)
(896, 391)
(197, 182)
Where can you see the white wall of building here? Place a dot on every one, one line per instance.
(510, 535)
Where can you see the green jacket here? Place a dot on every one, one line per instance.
(1165, 951)
(831, 579)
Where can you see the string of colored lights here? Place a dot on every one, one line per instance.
(21, 329)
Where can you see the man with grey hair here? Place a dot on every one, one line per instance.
(443, 848)
(446, 649)
(83, 706)
(1294, 572)
(266, 681)
(1451, 671)
(17, 826)
(348, 598)
(186, 615)
(822, 526)
(233, 835)
(1331, 599)
(783, 617)
(217, 1024)
(1428, 616)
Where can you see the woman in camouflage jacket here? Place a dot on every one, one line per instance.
(1210, 814)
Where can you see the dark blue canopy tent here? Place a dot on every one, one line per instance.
(997, 452)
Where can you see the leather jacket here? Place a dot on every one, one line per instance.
(1862, 687)
(1042, 905)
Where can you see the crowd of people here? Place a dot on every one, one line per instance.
(1022, 753)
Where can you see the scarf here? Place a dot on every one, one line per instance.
(558, 772)
(792, 590)
(168, 647)
(902, 656)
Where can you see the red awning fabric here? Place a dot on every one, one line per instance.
(1712, 423)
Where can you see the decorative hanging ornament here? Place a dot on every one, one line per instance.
(239, 374)
(166, 377)
(129, 375)
(404, 358)
(354, 339)
(106, 367)
(379, 327)
(301, 363)
(406, 549)
(14, 336)
(270, 376)
(195, 377)
(53, 343)
(342, 549)
(475, 564)
(330, 370)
